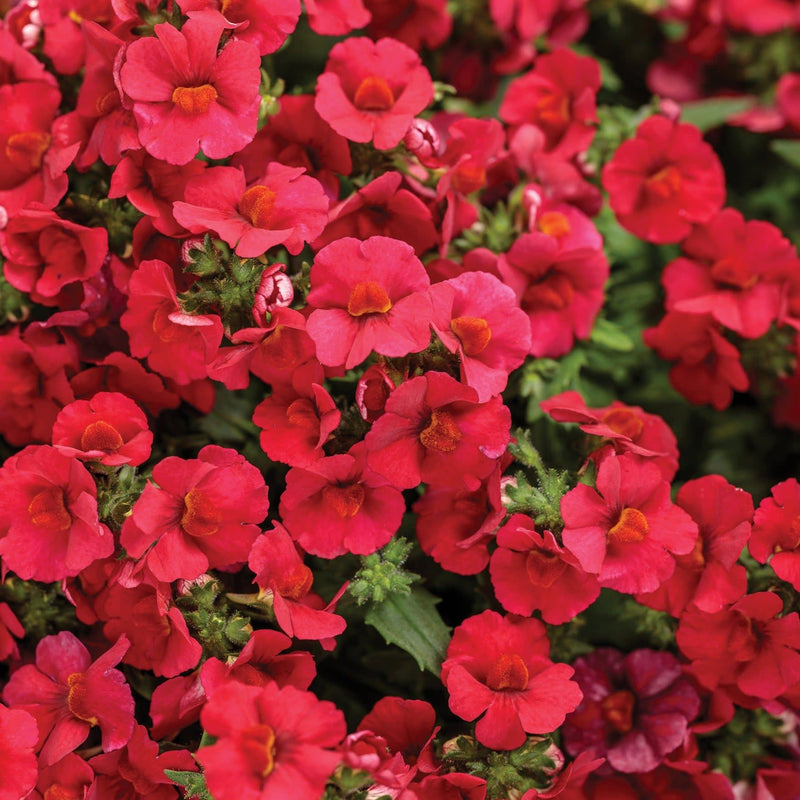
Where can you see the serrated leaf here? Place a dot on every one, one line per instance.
(788, 150)
(611, 336)
(708, 114)
(412, 622)
(193, 783)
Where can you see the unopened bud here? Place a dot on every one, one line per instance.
(422, 140)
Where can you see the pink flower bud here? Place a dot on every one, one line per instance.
(274, 291)
(421, 139)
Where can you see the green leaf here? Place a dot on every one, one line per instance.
(611, 336)
(788, 150)
(412, 622)
(193, 783)
(711, 113)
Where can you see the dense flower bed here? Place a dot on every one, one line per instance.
(399, 400)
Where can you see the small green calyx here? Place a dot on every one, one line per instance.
(381, 574)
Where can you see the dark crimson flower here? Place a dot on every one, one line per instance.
(368, 296)
(281, 742)
(280, 573)
(776, 532)
(137, 770)
(500, 665)
(68, 694)
(382, 208)
(413, 22)
(626, 429)
(709, 576)
(733, 270)
(371, 91)
(569, 780)
(787, 96)
(109, 428)
(453, 786)
(476, 316)
(559, 287)
(558, 97)
(636, 708)
(188, 97)
(434, 430)
(530, 571)
(298, 137)
(627, 531)
(18, 766)
(746, 646)
(282, 207)
(49, 527)
(44, 252)
(338, 505)
(708, 366)
(177, 345)
(664, 180)
(10, 628)
(685, 780)
(198, 514)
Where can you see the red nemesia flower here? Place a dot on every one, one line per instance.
(70, 777)
(10, 627)
(18, 766)
(68, 694)
(453, 786)
(382, 208)
(708, 366)
(635, 709)
(560, 288)
(48, 516)
(338, 505)
(569, 780)
(176, 345)
(368, 296)
(280, 572)
(18, 65)
(138, 770)
(746, 646)
(282, 742)
(45, 252)
(664, 180)
(109, 428)
(372, 392)
(500, 665)
(282, 207)
(264, 23)
(61, 24)
(336, 17)
(733, 271)
(198, 514)
(776, 531)
(558, 97)
(455, 525)
(434, 430)
(627, 530)
(370, 91)
(413, 22)
(709, 576)
(626, 429)
(476, 316)
(530, 571)
(761, 16)
(186, 96)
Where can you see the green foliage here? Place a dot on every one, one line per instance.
(193, 783)
(714, 111)
(788, 150)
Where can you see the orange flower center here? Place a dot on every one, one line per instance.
(733, 272)
(468, 177)
(295, 583)
(163, 326)
(25, 150)
(553, 223)
(630, 528)
(665, 183)
(553, 107)
(302, 414)
(617, 710)
(257, 743)
(474, 333)
(553, 292)
(47, 510)
(257, 205)
(346, 501)
(59, 792)
(442, 433)
(200, 516)
(76, 698)
(194, 99)
(101, 436)
(544, 568)
(625, 422)
(107, 102)
(368, 297)
(373, 94)
(508, 673)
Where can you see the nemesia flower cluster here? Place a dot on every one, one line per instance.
(340, 458)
